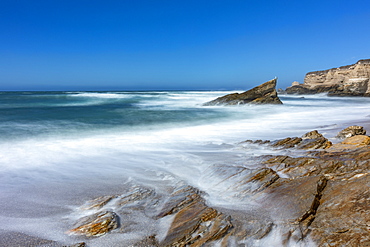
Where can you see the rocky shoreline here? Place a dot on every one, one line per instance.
(349, 80)
(316, 195)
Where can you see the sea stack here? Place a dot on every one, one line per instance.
(350, 80)
(262, 94)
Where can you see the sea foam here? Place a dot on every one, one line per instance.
(55, 171)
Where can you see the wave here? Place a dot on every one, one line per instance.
(103, 95)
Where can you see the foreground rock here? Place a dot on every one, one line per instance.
(351, 131)
(339, 212)
(96, 225)
(262, 94)
(351, 80)
(317, 195)
(310, 140)
(195, 223)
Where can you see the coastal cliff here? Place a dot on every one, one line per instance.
(262, 94)
(350, 80)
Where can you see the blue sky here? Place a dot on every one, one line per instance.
(170, 44)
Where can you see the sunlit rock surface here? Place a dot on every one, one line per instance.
(262, 94)
(317, 194)
(350, 80)
(96, 224)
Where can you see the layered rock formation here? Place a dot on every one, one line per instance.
(318, 195)
(351, 80)
(262, 94)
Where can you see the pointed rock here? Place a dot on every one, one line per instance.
(262, 94)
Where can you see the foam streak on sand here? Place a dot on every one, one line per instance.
(60, 150)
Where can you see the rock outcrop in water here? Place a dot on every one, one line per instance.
(262, 94)
(315, 194)
(351, 80)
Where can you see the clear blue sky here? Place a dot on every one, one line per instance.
(173, 44)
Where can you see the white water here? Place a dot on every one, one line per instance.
(44, 178)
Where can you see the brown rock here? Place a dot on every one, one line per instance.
(350, 80)
(97, 203)
(319, 195)
(262, 178)
(181, 198)
(96, 225)
(312, 135)
(343, 216)
(196, 225)
(351, 131)
(288, 142)
(289, 199)
(339, 211)
(262, 94)
(310, 140)
(358, 140)
(351, 143)
(244, 182)
(317, 143)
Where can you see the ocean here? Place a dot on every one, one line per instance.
(61, 149)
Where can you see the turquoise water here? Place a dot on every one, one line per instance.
(25, 114)
(31, 114)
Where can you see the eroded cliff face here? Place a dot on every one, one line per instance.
(351, 80)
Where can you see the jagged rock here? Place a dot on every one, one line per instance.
(308, 217)
(195, 223)
(243, 182)
(262, 94)
(310, 140)
(289, 199)
(321, 195)
(181, 198)
(358, 141)
(317, 143)
(351, 143)
(339, 212)
(312, 135)
(350, 80)
(261, 179)
(294, 167)
(351, 131)
(343, 217)
(96, 225)
(287, 142)
(97, 203)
